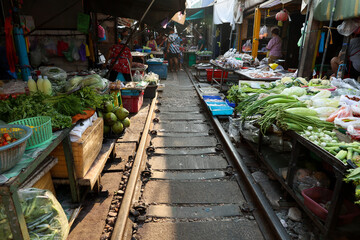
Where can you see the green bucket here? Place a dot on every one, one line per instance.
(192, 59)
(42, 130)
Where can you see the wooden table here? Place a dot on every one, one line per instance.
(39, 166)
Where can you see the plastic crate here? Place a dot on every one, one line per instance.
(206, 97)
(130, 92)
(221, 110)
(158, 68)
(217, 74)
(316, 195)
(231, 104)
(133, 103)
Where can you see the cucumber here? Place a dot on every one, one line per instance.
(341, 155)
(349, 154)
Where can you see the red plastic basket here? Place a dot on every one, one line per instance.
(133, 103)
(316, 195)
(217, 74)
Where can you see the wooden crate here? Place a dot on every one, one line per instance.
(45, 182)
(85, 151)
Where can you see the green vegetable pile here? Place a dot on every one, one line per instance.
(60, 108)
(44, 216)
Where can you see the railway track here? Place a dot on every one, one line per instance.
(187, 179)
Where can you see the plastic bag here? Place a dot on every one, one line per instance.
(57, 77)
(50, 47)
(343, 112)
(322, 94)
(325, 102)
(355, 109)
(325, 112)
(44, 216)
(345, 100)
(353, 132)
(347, 27)
(247, 46)
(264, 32)
(137, 76)
(347, 121)
(234, 128)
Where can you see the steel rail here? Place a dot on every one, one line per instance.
(256, 191)
(120, 224)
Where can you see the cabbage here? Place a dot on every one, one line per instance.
(286, 80)
(298, 91)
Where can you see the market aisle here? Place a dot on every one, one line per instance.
(189, 195)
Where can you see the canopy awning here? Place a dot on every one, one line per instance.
(199, 15)
(160, 10)
(273, 3)
(344, 9)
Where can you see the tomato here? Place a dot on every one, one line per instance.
(7, 137)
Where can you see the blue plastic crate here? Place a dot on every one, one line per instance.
(230, 103)
(206, 97)
(221, 110)
(217, 103)
(130, 92)
(159, 69)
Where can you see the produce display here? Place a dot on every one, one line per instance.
(115, 118)
(204, 53)
(233, 60)
(44, 216)
(315, 109)
(60, 108)
(5, 139)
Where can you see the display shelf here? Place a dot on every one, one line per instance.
(49, 163)
(9, 189)
(299, 145)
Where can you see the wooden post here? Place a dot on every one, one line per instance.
(256, 32)
(305, 66)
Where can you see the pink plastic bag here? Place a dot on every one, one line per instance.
(343, 112)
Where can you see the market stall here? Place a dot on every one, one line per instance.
(306, 133)
(64, 141)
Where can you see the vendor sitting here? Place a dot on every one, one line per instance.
(274, 46)
(353, 52)
(152, 43)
